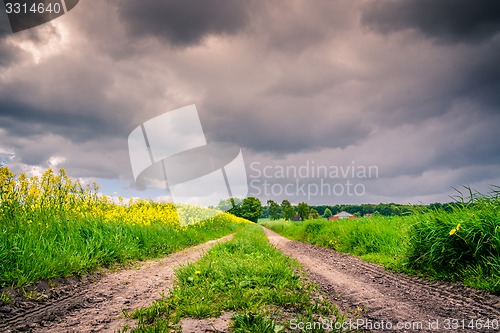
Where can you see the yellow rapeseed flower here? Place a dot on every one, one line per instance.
(55, 192)
(454, 230)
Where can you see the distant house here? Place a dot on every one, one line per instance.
(296, 217)
(342, 215)
(368, 215)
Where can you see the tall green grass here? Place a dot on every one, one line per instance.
(51, 226)
(462, 245)
(377, 239)
(58, 248)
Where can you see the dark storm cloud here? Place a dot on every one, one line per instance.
(7, 53)
(460, 139)
(26, 120)
(4, 21)
(11, 53)
(446, 20)
(63, 100)
(286, 130)
(288, 81)
(185, 22)
(481, 77)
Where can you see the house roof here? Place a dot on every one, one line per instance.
(343, 214)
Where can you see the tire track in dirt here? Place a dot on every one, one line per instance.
(390, 297)
(98, 306)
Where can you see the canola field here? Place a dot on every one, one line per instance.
(52, 226)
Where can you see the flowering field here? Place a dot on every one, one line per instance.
(52, 226)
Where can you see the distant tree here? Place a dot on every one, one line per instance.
(314, 214)
(225, 205)
(385, 209)
(321, 209)
(328, 213)
(232, 205)
(265, 212)
(251, 209)
(236, 204)
(273, 209)
(287, 210)
(303, 211)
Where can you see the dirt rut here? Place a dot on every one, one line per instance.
(389, 301)
(98, 306)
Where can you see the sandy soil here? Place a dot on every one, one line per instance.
(390, 299)
(96, 306)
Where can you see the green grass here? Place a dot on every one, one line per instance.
(51, 226)
(462, 246)
(376, 239)
(58, 248)
(246, 276)
(422, 244)
(267, 219)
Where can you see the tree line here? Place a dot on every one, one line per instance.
(251, 208)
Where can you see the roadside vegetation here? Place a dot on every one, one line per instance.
(51, 226)
(461, 245)
(378, 239)
(246, 276)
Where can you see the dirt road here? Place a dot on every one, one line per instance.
(392, 302)
(389, 302)
(98, 306)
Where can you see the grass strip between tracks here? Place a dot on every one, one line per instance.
(262, 287)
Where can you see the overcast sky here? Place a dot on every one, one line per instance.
(410, 87)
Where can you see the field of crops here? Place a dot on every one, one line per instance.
(51, 226)
(462, 245)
